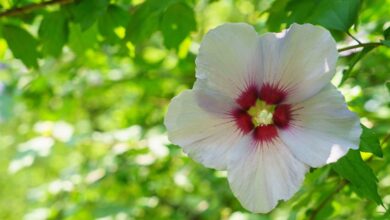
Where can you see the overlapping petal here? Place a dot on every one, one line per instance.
(262, 174)
(300, 60)
(195, 121)
(323, 129)
(227, 58)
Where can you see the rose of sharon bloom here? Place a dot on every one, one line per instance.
(263, 108)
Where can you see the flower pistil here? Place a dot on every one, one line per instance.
(261, 113)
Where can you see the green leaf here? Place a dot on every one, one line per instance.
(388, 85)
(300, 11)
(359, 174)
(53, 33)
(386, 43)
(277, 15)
(22, 44)
(332, 14)
(355, 59)
(144, 21)
(369, 142)
(80, 41)
(178, 21)
(336, 14)
(386, 33)
(86, 12)
(6, 104)
(114, 17)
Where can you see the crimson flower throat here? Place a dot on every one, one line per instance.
(261, 111)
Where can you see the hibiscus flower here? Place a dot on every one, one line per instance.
(263, 108)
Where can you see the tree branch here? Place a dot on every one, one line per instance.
(327, 199)
(371, 44)
(31, 7)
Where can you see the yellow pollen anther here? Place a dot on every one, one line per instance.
(261, 113)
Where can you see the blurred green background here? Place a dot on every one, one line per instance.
(84, 86)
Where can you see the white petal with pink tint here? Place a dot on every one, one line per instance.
(206, 136)
(300, 60)
(323, 129)
(225, 121)
(262, 174)
(227, 58)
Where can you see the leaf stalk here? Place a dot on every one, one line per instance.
(371, 44)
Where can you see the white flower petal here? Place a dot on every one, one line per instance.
(261, 175)
(195, 121)
(226, 59)
(323, 129)
(300, 60)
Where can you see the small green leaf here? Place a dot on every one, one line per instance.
(386, 43)
(336, 14)
(114, 17)
(86, 12)
(386, 33)
(144, 21)
(80, 41)
(332, 14)
(178, 21)
(22, 44)
(369, 142)
(277, 15)
(53, 33)
(300, 11)
(388, 85)
(359, 174)
(6, 104)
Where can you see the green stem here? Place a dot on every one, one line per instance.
(371, 44)
(327, 199)
(353, 37)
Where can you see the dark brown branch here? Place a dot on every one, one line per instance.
(327, 199)
(372, 44)
(31, 7)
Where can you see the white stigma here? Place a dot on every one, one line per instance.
(264, 117)
(261, 113)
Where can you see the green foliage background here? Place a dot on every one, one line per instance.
(84, 86)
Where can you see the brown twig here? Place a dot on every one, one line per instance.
(31, 7)
(327, 199)
(371, 44)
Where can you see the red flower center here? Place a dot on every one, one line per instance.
(261, 112)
